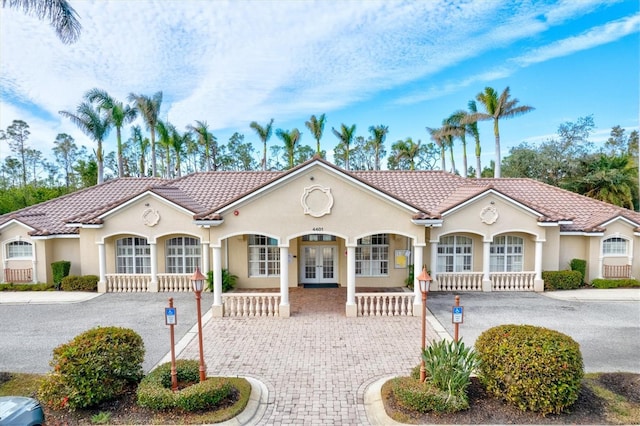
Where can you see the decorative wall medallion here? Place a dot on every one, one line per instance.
(317, 201)
(489, 215)
(151, 217)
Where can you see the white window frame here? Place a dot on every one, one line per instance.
(263, 256)
(372, 256)
(11, 255)
(609, 250)
(137, 256)
(455, 254)
(506, 254)
(182, 255)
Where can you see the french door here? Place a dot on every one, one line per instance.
(319, 264)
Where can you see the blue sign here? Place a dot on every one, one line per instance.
(457, 315)
(170, 316)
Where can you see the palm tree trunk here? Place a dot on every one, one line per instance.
(463, 139)
(154, 168)
(478, 165)
(496, 130)
(100, 161)
(120, 162)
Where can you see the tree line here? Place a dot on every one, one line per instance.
(571, 161)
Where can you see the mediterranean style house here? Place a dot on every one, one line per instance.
(320, 225)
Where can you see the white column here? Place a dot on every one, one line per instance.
(102, 268)
(538, 283)
(284, 282)
(418, 255)
(153, 285)
(217, 307)
(351, 308)
(205, 258)
(486, 265)
(34, 265)
(434, 261)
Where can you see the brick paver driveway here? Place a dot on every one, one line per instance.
(316, 364)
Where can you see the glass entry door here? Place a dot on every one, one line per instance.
(319, 264)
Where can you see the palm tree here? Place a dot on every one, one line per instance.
(149, 108)
(165, 134)
(264, 133)
(118, 114)
(405, 152)
(438, 137)
(290, 139)
(94, 125)
(498, 107)
(143, 145)
(316, 127)
(608, 178)
(379, 134)
(345, 135)
(61, 15)
(456, 126)
(207, 141)
(177, 143)
(472, 128)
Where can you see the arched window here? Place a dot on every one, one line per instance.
(455, 254)
(183, 255)
(615, 246)
(506, 254)
(133, 256)
(264, 256)
(19, 250)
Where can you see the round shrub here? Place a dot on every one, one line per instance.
(155, 392)
(96, 366)
(533, 368)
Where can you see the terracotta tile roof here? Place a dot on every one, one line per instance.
(433, 193)
(50, 217)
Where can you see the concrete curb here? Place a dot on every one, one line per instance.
(45, 297)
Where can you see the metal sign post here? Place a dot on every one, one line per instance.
(457, 317)
(171, 319)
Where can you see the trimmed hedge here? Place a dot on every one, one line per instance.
(83, 283)
(579, 265)
(96, 366)
(155, 392)
(26, 287)
(533, 368)
(59, 270)
(617, 283)
(562, 280)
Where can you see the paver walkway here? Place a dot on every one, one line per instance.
(317, 363)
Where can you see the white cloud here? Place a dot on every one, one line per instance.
(594, 37)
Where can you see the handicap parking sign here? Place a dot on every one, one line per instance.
(170, 316)
(457, 315)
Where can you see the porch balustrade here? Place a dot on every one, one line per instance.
(384, 304)
(512, 281)
(472, 281)
(127, 283)
(458, 281)
(178, 283)
(251, 304)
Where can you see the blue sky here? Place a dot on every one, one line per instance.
(404, 64)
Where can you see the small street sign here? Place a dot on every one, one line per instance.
(457, 315)
(170, 316)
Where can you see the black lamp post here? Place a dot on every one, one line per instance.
(197, 281)
(424, 279)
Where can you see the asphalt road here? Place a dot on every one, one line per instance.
(608, 332)
(29, 333)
